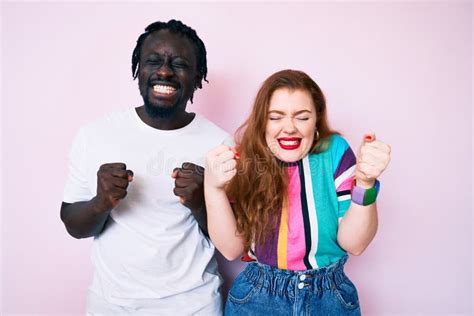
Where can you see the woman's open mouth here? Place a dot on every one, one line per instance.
(289, 143)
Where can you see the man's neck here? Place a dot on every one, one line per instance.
(175, 121)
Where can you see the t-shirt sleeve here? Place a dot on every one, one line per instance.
(77, 188)
(344, 162)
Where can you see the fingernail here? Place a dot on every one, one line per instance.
(237, 156)
(368, 138)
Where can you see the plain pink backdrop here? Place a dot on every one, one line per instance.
(401, 69)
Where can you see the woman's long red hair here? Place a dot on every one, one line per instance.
(260, 185)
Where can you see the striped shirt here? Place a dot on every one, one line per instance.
(319, 193)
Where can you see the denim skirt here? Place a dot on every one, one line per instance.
(263, 290)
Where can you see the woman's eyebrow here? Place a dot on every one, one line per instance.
(294, 113)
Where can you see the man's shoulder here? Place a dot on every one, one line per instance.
(109, 120)
(207, 126)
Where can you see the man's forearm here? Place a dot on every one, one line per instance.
(201, 218)
(83, 219)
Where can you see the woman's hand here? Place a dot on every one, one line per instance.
(372, 159)
(220, 167)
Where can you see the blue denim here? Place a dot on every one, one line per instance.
(263, 290)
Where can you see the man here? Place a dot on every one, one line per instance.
(124, 188)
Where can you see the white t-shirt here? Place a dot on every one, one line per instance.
(152, 253)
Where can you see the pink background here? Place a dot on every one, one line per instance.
(401, 69)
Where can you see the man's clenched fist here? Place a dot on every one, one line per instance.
(112, 183)
(189, 185)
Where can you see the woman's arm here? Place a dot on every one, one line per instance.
(358, 226)
(222, 226)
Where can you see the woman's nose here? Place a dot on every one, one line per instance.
(289, 126)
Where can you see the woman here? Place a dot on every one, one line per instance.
(300, 201)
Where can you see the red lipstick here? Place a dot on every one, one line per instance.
(289, 143)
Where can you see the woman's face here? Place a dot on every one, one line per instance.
(291, 124)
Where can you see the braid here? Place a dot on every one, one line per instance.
(173, 26)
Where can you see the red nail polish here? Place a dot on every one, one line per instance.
(368, 138)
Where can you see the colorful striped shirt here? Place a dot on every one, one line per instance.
(319, 193)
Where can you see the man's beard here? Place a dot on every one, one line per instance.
(156, 111)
